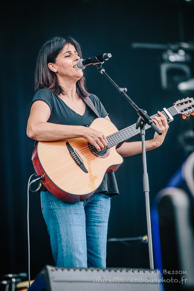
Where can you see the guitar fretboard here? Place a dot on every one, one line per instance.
(130, 131)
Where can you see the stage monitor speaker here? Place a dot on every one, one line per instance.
(73, 279)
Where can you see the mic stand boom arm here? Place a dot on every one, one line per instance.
(142, 113)
(143, 119)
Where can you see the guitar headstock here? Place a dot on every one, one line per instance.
(185, 107)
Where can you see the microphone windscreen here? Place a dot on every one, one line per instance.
(80, 64)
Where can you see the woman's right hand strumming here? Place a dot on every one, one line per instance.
(95, 137)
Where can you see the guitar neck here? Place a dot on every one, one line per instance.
(131, 131)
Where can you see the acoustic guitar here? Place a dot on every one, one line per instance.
(73, 169)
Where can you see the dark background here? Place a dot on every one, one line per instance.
(100, 26)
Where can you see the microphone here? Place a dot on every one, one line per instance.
(82, 63)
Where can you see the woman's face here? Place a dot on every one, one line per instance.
(65, 66)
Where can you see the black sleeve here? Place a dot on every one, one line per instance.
(44, 95)
(98, 105)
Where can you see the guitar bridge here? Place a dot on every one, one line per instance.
(76, 157)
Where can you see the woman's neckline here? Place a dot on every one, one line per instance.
(81, 115)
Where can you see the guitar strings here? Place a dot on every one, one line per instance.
(117, 137)
(85, 152)
(121, 135)
(112, 141)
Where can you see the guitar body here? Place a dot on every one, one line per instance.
(63, 176)
(73, 169)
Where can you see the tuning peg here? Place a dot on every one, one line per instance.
(184, 117)
(188, 115)
(192, 113)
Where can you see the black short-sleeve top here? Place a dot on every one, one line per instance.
(61, 113)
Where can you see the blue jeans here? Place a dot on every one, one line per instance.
(78, 231)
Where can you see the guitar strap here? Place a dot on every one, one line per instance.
(89, 102)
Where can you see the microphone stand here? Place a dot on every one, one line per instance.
(143, 119)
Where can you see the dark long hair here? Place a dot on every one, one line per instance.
(45, 78)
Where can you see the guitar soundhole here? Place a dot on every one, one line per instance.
(101, 153)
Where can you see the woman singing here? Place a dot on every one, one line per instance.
(78, 231)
